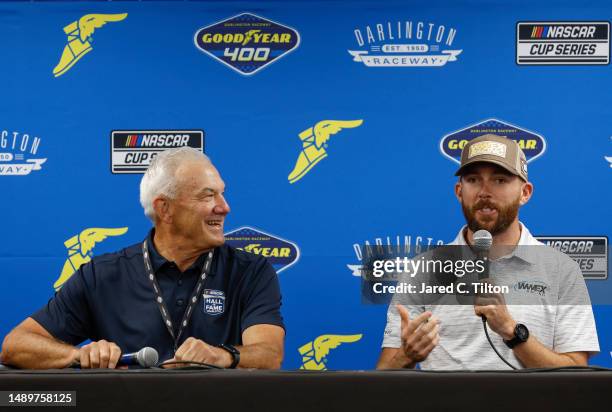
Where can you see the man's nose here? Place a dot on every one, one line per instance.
(222, 207)
(485, 189)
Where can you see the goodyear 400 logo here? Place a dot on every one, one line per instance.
(247, 43)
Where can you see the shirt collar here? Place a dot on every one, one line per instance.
(522, 252)
(157, 260)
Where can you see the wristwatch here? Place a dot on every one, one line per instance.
(521, 334)
(234, 352)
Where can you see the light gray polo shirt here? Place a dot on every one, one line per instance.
(562, 322)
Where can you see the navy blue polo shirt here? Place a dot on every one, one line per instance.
(112, 298)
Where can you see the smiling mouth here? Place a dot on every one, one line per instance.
(215, 223)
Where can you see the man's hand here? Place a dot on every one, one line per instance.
(199, 351)
(100, 354)
(419, 335)
(493, 307)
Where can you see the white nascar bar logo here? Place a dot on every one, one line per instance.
(133, 150)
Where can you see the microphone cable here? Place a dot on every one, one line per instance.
(484, 325)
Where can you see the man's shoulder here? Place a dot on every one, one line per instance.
(111, 259)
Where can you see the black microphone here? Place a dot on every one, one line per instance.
(145, 358)
(482, 243)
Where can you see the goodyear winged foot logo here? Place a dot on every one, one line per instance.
(80, 250)
(314, 354)
(405, 44)
(247, 43)
(281, 253)
(16, 150)
(533, 144)
(314, 145)
(79, 39)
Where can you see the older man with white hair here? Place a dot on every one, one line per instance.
(181, 291)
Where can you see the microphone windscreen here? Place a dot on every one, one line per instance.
(482, 240)
(147, 357)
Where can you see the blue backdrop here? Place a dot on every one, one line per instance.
(137, 67)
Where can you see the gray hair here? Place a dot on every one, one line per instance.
(160, 179)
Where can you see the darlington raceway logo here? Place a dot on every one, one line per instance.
(590, 252)
(532, 144)
(314, 354)
(563, 43)
(281, 253)
(405, 44)
(406, 244)
(80, 250)
(133, 150)
(247, 43)
(16, 150)
(79, 39)
(314, 145)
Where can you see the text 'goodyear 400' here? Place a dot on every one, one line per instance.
(247, 43)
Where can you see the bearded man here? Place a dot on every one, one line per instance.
(559, 331)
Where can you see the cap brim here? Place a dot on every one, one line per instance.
(494, 161)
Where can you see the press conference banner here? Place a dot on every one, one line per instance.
(335, 125)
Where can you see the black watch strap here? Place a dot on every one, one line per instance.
(521, 334)
(234, 352)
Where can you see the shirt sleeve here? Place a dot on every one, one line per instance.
(575, 324)
(262, 298)
(67, 315)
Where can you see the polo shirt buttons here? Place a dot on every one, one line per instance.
(180, 282)
(180, 302)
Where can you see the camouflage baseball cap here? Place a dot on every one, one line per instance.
(495, 149)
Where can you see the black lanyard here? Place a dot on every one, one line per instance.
(160, 301)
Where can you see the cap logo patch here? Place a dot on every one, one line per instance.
(487, 148)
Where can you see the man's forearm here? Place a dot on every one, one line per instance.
(532, 354)
(260, 356)
(32, 351)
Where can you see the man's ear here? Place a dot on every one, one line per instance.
(526, 193)
(458, 193)
(163, 209)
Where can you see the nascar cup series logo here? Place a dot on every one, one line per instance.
(563, 43)
(405, 44)
(589, 252)
(247, 43)
(133, 150)
(532, 144)
(280, 253)
(18, 153)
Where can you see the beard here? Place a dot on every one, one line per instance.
(505, 216)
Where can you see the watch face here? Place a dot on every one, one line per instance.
(521, 332)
